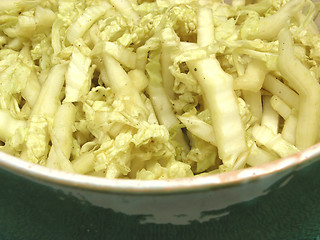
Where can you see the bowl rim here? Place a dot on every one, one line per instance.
(46, 175)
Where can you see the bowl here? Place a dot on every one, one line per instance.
(277, 200)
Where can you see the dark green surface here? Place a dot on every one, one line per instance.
(31, 211)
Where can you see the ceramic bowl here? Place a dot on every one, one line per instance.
(278, 200)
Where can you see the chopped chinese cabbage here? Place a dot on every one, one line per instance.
(158, 89)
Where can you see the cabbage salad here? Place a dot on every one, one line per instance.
(158, 89)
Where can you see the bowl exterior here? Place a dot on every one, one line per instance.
(282, 205)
